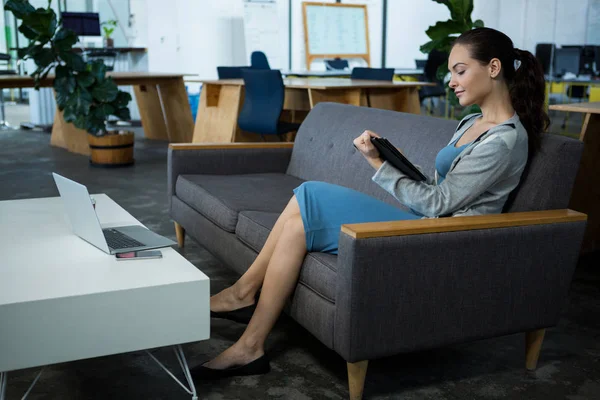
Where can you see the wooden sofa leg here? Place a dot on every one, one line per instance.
(180, 233)
(356, 378)
(533, 345)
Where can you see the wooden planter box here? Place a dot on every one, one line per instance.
(111, 150)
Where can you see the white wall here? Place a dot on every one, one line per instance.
(526, 22)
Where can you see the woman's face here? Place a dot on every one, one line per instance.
(470, 80)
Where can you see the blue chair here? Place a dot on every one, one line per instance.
(336, 64)
(230, 72)
(263, 102)
(258, 60)
(374, 74)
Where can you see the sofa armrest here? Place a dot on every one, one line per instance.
(225, 159)
(411, 285)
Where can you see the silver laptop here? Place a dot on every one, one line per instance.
(86, 225)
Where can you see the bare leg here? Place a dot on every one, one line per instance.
(241, 294)
(280, 280)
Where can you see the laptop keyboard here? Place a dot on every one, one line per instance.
(118, 240)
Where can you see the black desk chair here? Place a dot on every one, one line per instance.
(4, 70)
(264, 94)
(337, 64)
(374, 74)
(108, 56)
(433, 62)
(258, 60)
(231, 72)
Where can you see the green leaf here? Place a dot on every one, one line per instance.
(43, 57)
(443, 29)
(105, 91)
(478, 24)
(62, 71)
(444, 45)
(123, 114)
(69, 113)
(444, 2)
(43, 21)
(123, 98)
(20, 8)
(73, 60)
(28, 32)
(94, 124)
(29, 51)
(62, 96)
(85, 79)
(460, 10)
(442, 71)
(65, 83)
(64, 39)
(83, 101)
(98, 70)
(103, 111)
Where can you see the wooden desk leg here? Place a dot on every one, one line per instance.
(176, 110)
(217, 122)
(151, 112)
(401, 99)
(586, 190)
(344, 96)
(67, 136)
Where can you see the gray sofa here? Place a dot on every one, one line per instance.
(394, 287)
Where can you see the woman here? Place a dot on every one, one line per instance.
(474, 175)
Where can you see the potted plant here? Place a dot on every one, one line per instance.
(109, 27)
(84, 94)
(443, 34)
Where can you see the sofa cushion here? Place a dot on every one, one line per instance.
(319, 269)
(221, 197)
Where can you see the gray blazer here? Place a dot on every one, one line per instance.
(480, 178)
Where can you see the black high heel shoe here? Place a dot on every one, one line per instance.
(257, 367)
(241, 315)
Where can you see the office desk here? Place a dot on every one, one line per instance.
(586, 191)
(343, 73)
(221, 102)
(167, 117)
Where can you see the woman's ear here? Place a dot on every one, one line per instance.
(494, 68)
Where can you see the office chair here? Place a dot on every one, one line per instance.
(258, 60)
(434, 59)
(337, 64)
(108, 56)
(544, 52)
(230, 72)
(263, 102)
(374, 74)
(5, 64)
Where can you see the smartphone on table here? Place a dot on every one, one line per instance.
(139, 255)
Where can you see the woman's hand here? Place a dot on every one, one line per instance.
(366, 148)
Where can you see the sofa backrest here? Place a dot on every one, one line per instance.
(323, 148)
(323, 151)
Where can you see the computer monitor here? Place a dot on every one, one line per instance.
(566, 59)
(597, 57)
(83, 23)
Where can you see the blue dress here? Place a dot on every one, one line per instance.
(325, 207)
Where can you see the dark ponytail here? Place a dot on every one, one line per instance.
(526, 83)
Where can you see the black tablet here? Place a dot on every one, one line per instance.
(391, 154)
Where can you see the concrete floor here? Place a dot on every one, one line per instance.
(303, 368)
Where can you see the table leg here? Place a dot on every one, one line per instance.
(403, 100)
(177, 112)
(218, 110)
(151, 112)
(344, 96)
(3, 384)
(186, 371)
(586, 190)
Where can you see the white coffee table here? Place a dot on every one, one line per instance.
(61, 299)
